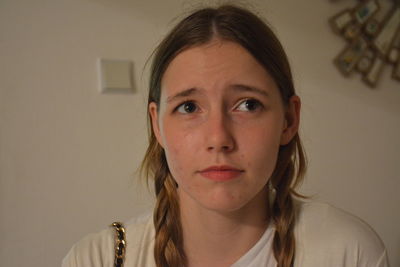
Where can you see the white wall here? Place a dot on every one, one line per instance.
(68, 153)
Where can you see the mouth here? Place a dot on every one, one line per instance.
(221, 173)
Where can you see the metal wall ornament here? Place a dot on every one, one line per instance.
(372, 32)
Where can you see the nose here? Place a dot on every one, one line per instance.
(219, 135)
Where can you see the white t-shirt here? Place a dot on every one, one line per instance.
(325, 237)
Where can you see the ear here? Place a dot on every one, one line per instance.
(292, 120)
(153, 110)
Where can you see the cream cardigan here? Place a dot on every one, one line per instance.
(325, 237)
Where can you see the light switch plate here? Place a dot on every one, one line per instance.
(116, 75)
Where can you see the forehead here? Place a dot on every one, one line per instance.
(215, 65)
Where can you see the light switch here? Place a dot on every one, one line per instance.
(116, 76)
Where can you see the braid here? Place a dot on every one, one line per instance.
(284, 220)
(289, 173)
(168, 249)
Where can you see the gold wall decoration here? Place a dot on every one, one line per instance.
(372, 31)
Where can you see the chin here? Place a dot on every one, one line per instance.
(221, 199)
(224, 204)
(234, 201)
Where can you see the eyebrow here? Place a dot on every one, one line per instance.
(184, 93)
(247, 88)
(235, 87)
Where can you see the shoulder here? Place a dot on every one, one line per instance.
(97, 249)
(334, 222)
(140, 236)
(328, 235)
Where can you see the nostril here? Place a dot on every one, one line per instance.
(221, 148)
(225, 147)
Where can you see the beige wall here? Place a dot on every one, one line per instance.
(68, 153)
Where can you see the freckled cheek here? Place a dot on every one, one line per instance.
(266, 159)
(259, 149)
(180, 150)
(178, 141)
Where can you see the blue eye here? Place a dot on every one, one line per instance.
(187, 107)
(249, 105)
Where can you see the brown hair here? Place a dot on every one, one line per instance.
(235, 24)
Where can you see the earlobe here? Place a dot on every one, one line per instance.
(153, 110)
(292, 120)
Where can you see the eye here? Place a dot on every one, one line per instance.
(249, 105)
(187, 107)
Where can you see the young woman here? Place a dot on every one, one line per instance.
(225, 157)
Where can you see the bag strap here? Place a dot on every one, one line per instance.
(120, 244)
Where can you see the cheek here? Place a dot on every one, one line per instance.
(260, 148)
(179, 146)
(178, 141)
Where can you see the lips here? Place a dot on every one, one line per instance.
(221, 173)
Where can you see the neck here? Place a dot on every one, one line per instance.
(216, 238)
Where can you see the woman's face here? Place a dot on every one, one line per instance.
(221, 121)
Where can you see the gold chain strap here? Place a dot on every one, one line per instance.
(120, 244)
